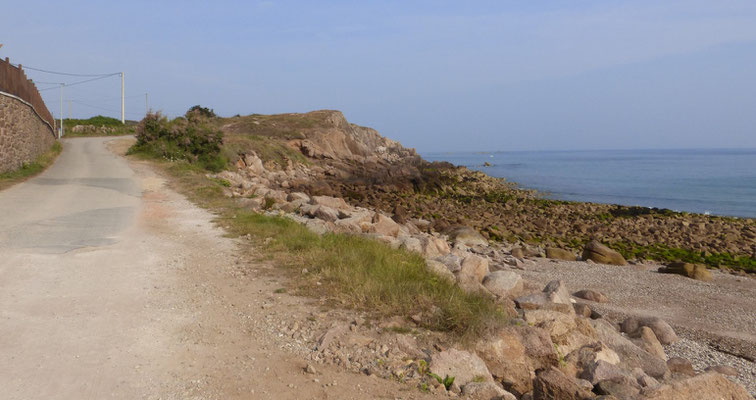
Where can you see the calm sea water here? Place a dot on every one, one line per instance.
(720, 182)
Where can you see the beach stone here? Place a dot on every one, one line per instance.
(463, 366)
(709, 385)
(630, 355)
(555, 253)
(466, 236)
(552, 384)
(485, 391)
(582, 310)
(517, 252)
(439, 269)
(600, 371)
(621, 389)
(554, 322)
(507, 360)
(662, 329)
(650, 343)
(384, 225)
(473, 268)
(328, 201)
(590, 354)
(601, 254)
(591, 295)
(557, 292)
(326, 213)
(503, 283)
(434, 247)
(722, 369)
(695, 271)
(681, 366)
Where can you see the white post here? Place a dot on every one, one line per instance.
(123, 97)
(60, 133)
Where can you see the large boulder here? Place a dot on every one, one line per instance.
(328, 201)
(601, 254)
(503, 283)
(439, 269)
(507, 360)
(695, 271)
(384, 225)
(557, 324)
(662, 329)
(552, 384)
(650, 343)
(473, 268)
(591, 295)
(705, 386)
(631, 355)
(466, 236)
(556, 253)
(434, 247)
(680, 366)
(463, 366)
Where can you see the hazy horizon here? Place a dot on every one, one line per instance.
(435, 75)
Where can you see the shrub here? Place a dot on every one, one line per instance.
(200, 111)
(188, 139)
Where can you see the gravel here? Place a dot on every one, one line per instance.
(702, 357)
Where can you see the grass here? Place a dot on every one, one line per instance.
(347, 270)
(266, 148)
(31, 169)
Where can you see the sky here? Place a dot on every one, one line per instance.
(436, 75)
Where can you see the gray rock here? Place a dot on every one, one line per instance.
(681, 366)
(467, 236)
(662, 330)
(503, 283)
(486, 391)
(601, 371)
(463, 366)
(591, 295)
(630, 355)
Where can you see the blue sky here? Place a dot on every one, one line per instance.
(435, 75)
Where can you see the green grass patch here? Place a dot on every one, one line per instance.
(661, 252)
(31, 169)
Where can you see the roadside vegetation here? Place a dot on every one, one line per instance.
(97, 126)
(31, 169)
(347, 270)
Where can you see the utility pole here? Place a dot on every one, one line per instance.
(146, 105)
(69, 109)
(123, 98)
(60, 133)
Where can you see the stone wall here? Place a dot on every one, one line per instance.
(24, 135)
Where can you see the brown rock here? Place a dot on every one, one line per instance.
(328, 201)
(582, 310)
(560, 254)
(599, 253)
(503, 283)
(466, 236)
(631, 355)
(518, 253)
(384, 225)
(507, 360)
(695, 271)
(709, 385)
(591, 295)
(485, 391)
(650, 343)
(679, 365)
(473, 268)
(662, 329)
(552, 384)
(463, 366)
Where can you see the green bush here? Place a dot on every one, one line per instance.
(191, 139)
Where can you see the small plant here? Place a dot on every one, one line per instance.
(447, 381)
(222, 182)
(424, 388)
(479, 379)
(422, 367)
(280, 290)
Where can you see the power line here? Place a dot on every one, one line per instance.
(85, 81)
(62, 73)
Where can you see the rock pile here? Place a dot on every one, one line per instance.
(553, 349)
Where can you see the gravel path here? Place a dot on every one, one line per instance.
(716, 320)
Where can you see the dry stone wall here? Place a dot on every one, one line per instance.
(24, 136)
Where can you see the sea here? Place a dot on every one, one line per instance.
(718, 182)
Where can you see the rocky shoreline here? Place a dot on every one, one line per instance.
(559, 345)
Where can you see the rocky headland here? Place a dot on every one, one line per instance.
(592, 314)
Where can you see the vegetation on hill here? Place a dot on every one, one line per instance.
(97, 126)
(191, 138)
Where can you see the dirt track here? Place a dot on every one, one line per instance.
(114, 286)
